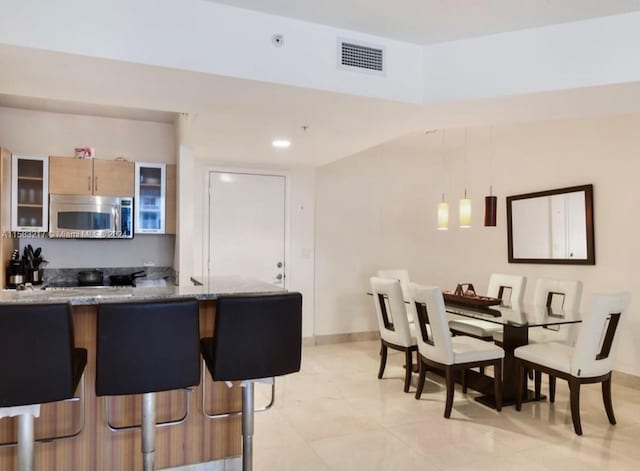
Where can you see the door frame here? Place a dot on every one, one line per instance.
(206, 236)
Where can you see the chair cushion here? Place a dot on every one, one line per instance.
(468, 349)
(474, 327)
(552, 355)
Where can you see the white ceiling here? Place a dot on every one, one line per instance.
(433, 21)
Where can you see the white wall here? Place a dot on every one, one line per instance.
(302, 241)
(207, 37)
(377, 209)
(587, 53)
(39, 132)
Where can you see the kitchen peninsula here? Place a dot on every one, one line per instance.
(196, 440)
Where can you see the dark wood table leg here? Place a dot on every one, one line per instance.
(514, 337)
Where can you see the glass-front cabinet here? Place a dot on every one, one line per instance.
(29, 193)
(150, 198)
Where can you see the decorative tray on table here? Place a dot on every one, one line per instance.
(465, 295)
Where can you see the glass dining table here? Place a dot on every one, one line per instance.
(517, 321)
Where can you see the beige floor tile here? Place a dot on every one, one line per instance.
(271, 430)
(296, 457)
(371, 451)
(336, 415)
(329, 418)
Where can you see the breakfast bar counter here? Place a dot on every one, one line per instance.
(195, 440)
(206, 289)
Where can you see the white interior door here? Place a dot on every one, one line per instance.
(247, 226)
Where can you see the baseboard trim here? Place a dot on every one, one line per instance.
(308, 341)
(626, 379)
(345, 338)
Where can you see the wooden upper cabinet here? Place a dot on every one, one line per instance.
(70, 176)
(170, 201)
(113, 178)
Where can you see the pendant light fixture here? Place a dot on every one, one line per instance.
(490, 202)
(490, 209)
(443, 206)
(465, 211)
(443, 215)
(465, 203)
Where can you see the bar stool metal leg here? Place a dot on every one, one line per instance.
(247, 426)
(148, 431)
(26, 443)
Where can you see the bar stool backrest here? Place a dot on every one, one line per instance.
(434, 343)
(594, 351)
(147, 347)
(499, 283)
(35, 354)
(391, 313)
(256, 337)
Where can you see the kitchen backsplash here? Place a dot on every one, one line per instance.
(76, 253)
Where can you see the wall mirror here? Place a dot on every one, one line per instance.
(554, 226)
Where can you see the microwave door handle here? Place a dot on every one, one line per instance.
(116, 220)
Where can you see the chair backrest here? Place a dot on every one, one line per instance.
(35, 354)
(147, 347)
(433, 343)
(499, 283)
(564, 294)
(402, 275)
(594, 351)
(256, 337)
(391, 311)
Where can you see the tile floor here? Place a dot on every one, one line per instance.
(335, 415)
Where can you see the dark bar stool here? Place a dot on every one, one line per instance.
(255, 337)
(144, 348)
(38, 364)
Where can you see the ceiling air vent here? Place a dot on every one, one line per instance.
(363, 57)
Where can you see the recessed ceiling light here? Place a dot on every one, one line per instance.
(281, 143)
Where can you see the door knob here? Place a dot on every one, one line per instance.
(279, 265)
(279, 277)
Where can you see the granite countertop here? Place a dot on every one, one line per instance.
(210, 288)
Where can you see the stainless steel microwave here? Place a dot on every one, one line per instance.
(90, 217)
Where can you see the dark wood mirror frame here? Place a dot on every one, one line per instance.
(588, 200)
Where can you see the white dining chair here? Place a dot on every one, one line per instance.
(509, 289)
(589, 361)
(393, 323)
(553, 294)
(438, 349)
(563, 294)
(402, 275)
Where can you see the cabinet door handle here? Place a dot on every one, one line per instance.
(89, 181)
(95, 186)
